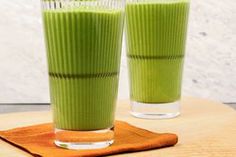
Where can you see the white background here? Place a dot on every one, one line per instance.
(210, 63)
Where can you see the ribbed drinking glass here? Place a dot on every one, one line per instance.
(83, 40)
(156, 35)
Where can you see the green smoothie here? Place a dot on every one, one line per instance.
(83, 51)
(156, 35)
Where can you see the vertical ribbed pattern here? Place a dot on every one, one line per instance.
(156, 35)
(83, 48)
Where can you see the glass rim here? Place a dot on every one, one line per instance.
(83, 4)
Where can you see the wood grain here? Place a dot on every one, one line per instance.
(205, 128)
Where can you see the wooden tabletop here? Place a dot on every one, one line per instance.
(205, 128)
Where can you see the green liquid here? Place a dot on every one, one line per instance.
(83, 51)
(156, 32)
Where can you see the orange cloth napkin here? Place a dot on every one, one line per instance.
(38, 141)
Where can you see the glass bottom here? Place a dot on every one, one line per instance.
(78, 140)
(155, 111)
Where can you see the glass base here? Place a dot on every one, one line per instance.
(80, 146)
(80, 140)
(155, 111)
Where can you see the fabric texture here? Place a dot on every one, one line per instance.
(38, 141)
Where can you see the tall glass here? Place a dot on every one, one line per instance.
(156, 35)
(83, 43)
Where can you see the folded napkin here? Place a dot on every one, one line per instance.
(38, 141)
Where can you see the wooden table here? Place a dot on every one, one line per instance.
(205, 129)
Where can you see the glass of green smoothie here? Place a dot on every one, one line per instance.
(83, 41)
(155, 39)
